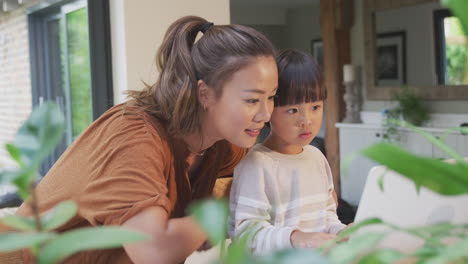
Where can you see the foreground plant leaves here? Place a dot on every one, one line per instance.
(33, 142)
(19, 222)
(59, 215)
(84, 239)
(439, 176)
(14, 241)
(212, 215)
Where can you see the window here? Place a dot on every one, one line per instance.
(70, 63)
(451, 48)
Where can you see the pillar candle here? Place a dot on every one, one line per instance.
(348, 73)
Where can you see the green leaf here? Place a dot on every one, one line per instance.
(348, 252)
(426, 252)
(14, 153)
(454, 252)
(23, 180)
(293, 256)
(356, 226)
(18, 177)
(381, 256)
(15, 241)
(436, 230)
(212, 215)
(33, 142)
(238, 251)
(459, 9)
(8, 176)
(39, 135)
(87, 238)
(439, 176)
(19, 222)
(59, 215)
(350, 229)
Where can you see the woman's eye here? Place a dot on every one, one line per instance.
(252, 101)
(272, 97)
(292, 111)
(316, 107)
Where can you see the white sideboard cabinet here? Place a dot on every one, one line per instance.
(355, 137)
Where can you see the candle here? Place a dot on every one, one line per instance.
(348, 73)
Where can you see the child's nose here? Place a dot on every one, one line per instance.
(305, 120)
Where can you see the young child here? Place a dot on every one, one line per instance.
(282, 192)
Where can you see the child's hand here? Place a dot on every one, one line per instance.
(309, 240)
(344, 239)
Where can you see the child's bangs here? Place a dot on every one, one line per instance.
(300, 89)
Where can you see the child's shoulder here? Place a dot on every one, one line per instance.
(314, 151)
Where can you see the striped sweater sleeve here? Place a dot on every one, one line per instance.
(250, 209)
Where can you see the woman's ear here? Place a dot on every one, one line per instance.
(205, 94)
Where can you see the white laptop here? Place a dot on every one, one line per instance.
(399, 203)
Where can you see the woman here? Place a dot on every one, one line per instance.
(141, 163)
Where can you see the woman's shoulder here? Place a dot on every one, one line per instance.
(127, 118)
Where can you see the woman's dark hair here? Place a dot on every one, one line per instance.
(300, 79)
(182, 61)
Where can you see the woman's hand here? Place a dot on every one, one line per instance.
(205, 246)
(309, 239)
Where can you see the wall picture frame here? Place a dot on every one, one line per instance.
(317, 51)
(391, 58)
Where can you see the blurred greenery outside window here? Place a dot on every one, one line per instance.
(74, 44)
(456, 52)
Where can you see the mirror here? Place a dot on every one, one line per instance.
(416, 43)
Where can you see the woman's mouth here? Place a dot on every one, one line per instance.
(253, 132)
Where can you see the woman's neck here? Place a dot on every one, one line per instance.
(197, 142)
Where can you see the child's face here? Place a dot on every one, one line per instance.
(296, 125)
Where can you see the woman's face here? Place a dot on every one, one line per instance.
(245, 105)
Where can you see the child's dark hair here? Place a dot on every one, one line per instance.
(299, 79)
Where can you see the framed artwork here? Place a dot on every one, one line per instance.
(391, 58)
(317, 51)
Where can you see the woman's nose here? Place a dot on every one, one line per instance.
(264, 113)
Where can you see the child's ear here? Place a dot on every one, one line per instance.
(205, 94)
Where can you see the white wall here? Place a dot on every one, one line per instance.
(257, 15)
(137, 29)
(357, 58)
(303, 25)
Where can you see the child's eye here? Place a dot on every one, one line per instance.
(292, 111)
(316, 107)
(252, 101)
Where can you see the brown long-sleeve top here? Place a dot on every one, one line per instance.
(123, 163)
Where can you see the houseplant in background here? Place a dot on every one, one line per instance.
(410, 107)
(33, 142)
